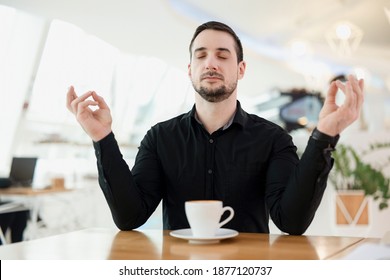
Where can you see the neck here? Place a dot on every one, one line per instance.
(215, 115)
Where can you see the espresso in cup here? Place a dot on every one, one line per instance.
(204, 216)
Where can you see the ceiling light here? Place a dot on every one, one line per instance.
(344, 38)
(343, 31)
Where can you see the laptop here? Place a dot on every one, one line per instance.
(22, 171)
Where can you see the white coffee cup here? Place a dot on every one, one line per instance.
(204, 216)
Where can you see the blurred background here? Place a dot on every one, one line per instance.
(135, 54)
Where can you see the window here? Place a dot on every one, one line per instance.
(21, 35)
(140, 90)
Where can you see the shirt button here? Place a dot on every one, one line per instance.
(211, 141)
(210, 171)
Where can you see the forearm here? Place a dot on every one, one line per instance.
(118, 186)
(305, 192)
(293, 207)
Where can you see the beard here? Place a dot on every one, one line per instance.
(217, 94)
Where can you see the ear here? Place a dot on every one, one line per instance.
(189, 70)
(241, 69)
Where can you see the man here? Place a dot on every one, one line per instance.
(217, 150)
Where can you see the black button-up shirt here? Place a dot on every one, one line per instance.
(251, 166)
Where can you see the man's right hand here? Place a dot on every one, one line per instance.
(96, 123)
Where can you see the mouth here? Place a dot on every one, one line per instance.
(211, 76)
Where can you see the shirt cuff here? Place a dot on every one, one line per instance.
(319, 136)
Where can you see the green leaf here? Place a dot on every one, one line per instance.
(351, 172)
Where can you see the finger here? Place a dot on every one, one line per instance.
(332, 92)
(346, 88)
(70, 96)
(357, 87)
(361, 96)
(360, 92)
(76, 101)
(340, 85)
(101, 103)
(84, 96)
(361, 85)
(350, 95)
(84, 106)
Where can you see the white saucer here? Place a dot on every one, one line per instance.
(186, 234)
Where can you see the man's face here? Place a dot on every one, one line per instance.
(213, 70)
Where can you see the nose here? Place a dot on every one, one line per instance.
(211, 64)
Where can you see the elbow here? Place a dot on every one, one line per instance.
(295, 231)
(126, 223)
(124, 227)
(295, 226)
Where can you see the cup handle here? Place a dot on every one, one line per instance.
(230, 209)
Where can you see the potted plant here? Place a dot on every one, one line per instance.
(355, 180)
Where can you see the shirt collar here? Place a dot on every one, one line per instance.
(240, 117)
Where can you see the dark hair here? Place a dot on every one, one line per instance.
(215, 25)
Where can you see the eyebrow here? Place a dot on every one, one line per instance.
(219, 49)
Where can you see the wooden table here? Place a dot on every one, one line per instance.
(96, 243)
(29, 191)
